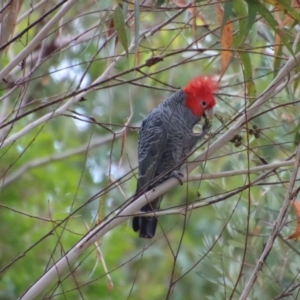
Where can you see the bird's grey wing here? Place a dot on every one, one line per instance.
(152, 144)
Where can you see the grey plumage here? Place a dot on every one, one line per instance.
(166, 139)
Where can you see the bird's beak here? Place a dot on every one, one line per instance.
(209, 113)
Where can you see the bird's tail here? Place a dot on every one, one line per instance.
(147, 225)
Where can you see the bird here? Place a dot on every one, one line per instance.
(166, 139)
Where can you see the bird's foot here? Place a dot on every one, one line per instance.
(206, 126)
(178, 175)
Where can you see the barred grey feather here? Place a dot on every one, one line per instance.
(166, 139)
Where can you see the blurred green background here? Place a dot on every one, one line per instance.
(64, 164)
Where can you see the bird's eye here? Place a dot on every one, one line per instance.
(204, 103)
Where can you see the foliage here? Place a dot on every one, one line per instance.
(77, 77)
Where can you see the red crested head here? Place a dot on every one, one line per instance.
(199, 95)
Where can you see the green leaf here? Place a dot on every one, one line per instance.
(261, 9)
(251, 16)
(248, 77)
(119, 23)
(288, 9)
(264, 12)
(277, 61)
(159, 3)
(297, 70)
(245, 24)
(297, 135)
(227, 12)
(287, 41)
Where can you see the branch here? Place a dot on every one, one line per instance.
(240, 172)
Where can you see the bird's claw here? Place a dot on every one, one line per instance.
(178, 176)
(207, 125)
